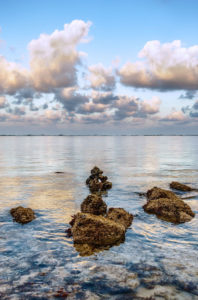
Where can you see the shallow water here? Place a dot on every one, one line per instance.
(158, 259)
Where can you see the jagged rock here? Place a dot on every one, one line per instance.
(98, 182)
(168, 206)
(22, 215)
(95, 185)
(121, 216)
(94, 204)
(156, 193)
(96, 230)
(106, 185)
(96, 171)
(181, 187)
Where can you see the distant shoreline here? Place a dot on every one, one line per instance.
(66, 135)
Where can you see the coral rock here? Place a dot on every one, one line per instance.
(167, 206)
(22, 215)
(181, 187)
(106, 185)
(121, 216)
(94, 204)
(96, 230)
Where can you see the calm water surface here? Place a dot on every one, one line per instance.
(158, 259)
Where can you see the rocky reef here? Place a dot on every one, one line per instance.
(94, 229)
(94, 204)
(181, 187)
(120, 216)
(97, 182)
(167, 206)
(22, 215)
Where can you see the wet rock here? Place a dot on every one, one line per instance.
(59, 172)
(96, 230)
(98, 182)
(87, 250)
(96, 171)
(167, 206)
(181, 187)
(94, 204)
(121, 216)
(156, 193)
(106, 185)
(95, 185)
(22, 215)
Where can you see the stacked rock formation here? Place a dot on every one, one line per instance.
(97, 182)
(167, 206)
(95, 228)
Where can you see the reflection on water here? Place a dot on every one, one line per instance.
(36, 260)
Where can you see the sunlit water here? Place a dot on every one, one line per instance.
(158, 259)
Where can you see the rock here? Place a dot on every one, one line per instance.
(59, 172)
(96, 171)
(98, 182)
(167, 206)
(22, 215)
(181, 187)
(96, 230)
(156, 193)
(95, 185)
(94, 204)
(121, 216)
(87, 250)
(106, 185)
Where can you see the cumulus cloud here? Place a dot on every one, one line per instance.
(12, 77)
(103, 97)
(54, 57)
(125, 107)
(175, 116)
(70, 98)
(3, 102)
(101, 78)
(166, 66)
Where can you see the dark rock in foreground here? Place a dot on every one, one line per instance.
(94, 204)
(181, 187)
(22, 215)
(121, 216)
(167, 206)
(96, 230)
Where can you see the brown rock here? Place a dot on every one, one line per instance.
(106, 185)
(95, 185)
(156, 193)
(181, 187)
(22, 215)
(167, 206)
(94, 204)
(121, 216)
(96, 230)
(96, 171)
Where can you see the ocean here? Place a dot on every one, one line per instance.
(37, 261)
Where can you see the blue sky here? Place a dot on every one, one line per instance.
(130, 79)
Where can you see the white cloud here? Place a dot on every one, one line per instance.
(166, 66)
(12, 77)
(101, 78)
(53, 58)
(3, 102)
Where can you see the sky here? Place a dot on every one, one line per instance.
(98, 67)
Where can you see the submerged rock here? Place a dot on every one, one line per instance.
(181, 187)
(96, 230)
(167, 206)
(22, 215)
(94, 204)
(121, 216)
